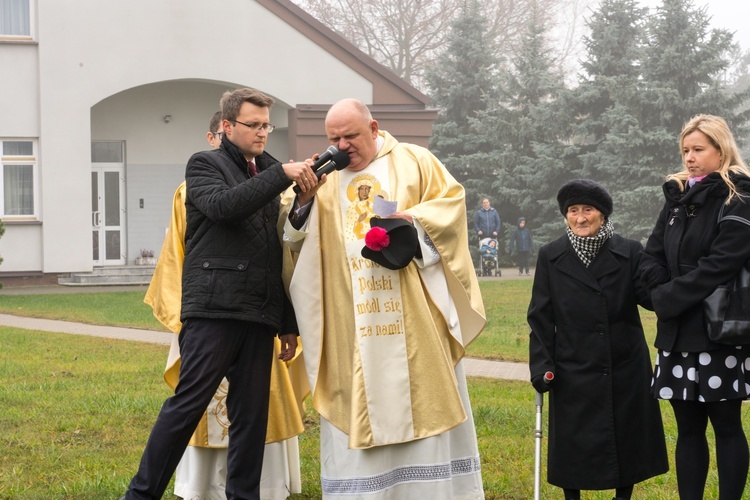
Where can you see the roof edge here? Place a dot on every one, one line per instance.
(286, 9)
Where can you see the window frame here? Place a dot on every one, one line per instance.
(32, 160)
(31, 37)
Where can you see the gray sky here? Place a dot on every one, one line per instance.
(732, 15)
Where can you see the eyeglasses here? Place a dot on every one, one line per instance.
(255, 127)
(217, 134)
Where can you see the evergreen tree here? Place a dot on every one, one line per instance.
(614, 50)
(686, 70)
(462, 85)
(610, 137)
(529, 131)
(738, 81)
(685, 66)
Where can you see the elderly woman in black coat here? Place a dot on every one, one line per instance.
(689, 253)
(605, 429)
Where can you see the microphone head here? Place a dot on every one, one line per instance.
(332, 150)
(340, 159)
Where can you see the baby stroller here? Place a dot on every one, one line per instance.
(488, 257)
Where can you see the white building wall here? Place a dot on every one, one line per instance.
(147, 224)
(19, 91)
(21, 246)
(91, 50)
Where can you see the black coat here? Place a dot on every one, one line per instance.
(521, 241)
(233, 253)
(698, 254)
(605, 428)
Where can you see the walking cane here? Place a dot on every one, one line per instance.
(548, 377)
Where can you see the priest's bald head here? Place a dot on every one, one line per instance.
(350, 127)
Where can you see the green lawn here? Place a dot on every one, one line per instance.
(77, 410)
(505, 337)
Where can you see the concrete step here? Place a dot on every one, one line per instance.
(122, 271)
(102, 276)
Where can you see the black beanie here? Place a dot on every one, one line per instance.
(584, 192)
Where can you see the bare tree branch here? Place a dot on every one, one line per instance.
(407, 35)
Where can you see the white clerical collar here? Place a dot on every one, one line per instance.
(380, 141)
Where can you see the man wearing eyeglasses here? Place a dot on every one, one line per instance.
(213, 136)
(233, 299)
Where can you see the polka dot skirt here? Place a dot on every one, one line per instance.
(703, 376)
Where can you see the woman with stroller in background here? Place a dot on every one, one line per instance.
(605, 428)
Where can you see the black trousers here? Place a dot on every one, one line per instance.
(523, 261)
(211, 349)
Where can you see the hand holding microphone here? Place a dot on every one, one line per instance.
(331, 159)
(324, 157)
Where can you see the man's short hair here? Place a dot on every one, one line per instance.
(231, 101)
(213, 125)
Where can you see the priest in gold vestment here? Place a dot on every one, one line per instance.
(383, 345)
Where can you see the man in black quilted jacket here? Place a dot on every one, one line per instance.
(233, 299)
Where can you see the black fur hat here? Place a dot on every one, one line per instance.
(399, 249)
(584, 192)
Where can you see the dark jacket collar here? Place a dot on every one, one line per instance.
(262, 161)
(563, 256)
(713, 186)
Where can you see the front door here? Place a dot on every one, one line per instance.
(108, 203)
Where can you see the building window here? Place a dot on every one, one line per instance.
(15, 18)
(19, 179)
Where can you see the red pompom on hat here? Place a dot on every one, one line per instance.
(392, 243)
(377, 239)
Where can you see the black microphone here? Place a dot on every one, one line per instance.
(324, 157)
(339, 161)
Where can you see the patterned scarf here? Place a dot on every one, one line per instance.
(587, 247)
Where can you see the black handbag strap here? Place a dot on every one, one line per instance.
(735, 218)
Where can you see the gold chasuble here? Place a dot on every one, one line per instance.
(381, 345)
(164, 295)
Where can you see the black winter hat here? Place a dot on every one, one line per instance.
(584, 192)
(401, 246)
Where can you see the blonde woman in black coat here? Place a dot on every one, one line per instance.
(605, 429)
(687, 255)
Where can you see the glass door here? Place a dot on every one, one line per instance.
(108, 204)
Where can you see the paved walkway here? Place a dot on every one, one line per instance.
(473, 366)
